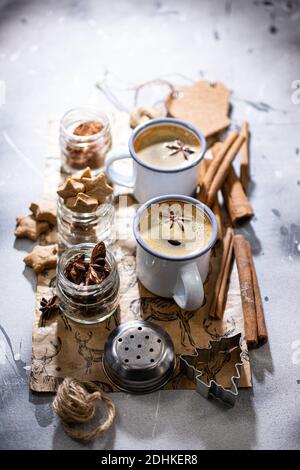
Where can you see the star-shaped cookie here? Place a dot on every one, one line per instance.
(70, 188)
(44, 211)
(86, 173)
(97, 187)
(42, 257)
(28, 227)
(82, 203)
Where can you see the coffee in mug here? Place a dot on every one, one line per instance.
(166, 147)
(175, 228)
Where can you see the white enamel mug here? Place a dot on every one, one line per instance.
(147, 181)
(180, 278)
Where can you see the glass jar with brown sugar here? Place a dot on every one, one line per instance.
(85, 139)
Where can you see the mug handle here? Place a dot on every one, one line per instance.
(114, 175)
(189, 292)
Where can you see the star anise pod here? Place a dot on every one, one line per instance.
(94, 277)
(47, 308)
(76, 269)
(98, 255)
(179, 146)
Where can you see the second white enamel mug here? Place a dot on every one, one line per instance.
(180, 278)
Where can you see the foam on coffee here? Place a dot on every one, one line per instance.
(167, 146)
(175, 228)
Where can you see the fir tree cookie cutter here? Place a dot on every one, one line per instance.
(196, 367)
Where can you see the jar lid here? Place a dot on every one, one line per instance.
(139, 357)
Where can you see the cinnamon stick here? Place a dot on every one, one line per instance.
(255, 329)
(220, 290)
(235, 199)
(222, 297)
(217, 212)
(262, 334)
(244, 165)
(246, 286)
(204, 165)
(216, 162)
(222, 170)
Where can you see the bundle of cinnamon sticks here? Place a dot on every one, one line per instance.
(218, 174)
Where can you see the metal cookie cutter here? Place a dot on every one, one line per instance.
(196, 366)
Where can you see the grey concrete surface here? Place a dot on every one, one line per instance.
(51, 55)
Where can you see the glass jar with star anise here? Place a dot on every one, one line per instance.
(85, 138)
(88, 283)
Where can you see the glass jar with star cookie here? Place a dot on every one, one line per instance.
(85, 138)
(85, 210)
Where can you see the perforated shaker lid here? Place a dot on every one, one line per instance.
(139, 357)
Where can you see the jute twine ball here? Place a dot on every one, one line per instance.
(76, 403)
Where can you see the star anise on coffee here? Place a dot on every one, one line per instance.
(173, 219)
(178, 147)
(47, 308)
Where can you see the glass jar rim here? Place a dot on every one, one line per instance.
(76, 250)
(102, 116)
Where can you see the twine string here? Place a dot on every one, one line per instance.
(76, 403)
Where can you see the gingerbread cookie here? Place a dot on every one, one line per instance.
(86, 173)
(41, 258)
(44, 211)
(82, 203)
(28, 227)
(204, 104)
(70, 188)
(49, 237)
(97, 187)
